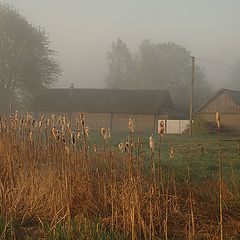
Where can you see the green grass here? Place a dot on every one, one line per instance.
(199, 153)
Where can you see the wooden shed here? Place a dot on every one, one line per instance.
(110, 108)
(227, 103)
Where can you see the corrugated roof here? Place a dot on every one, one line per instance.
(104, 100)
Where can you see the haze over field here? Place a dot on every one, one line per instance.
(82, 32)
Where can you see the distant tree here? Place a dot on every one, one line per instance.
(27, 63)
(168, 66)
(158, 66)
(121, 66)
(235, 83)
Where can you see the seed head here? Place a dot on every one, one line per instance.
(79, 134)
(171, 153)
(67, 150)
(130, 125)
(95, 148)
(218, 119)
(161, 128)
(121, 147)
(151, 143)
(87, 131)
(73, 138)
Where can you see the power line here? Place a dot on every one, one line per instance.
(214, 62)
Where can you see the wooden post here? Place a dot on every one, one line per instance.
(191, 97)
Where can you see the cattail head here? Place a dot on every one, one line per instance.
(48, 122)
(86, 131)
(68, 127)
(78, 134)
(127, 146)
(151, 143)
(73, 140)
(130, 125)
(218, 119)
(54, 131)
(171, 152)
(31, 136)
(82, 120)
(67, 150)
(16, 116)
(105, 133)
(63, 138)
(57, 136)
(95, 148)
(161, 128)
(121, 146)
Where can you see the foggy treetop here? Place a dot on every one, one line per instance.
(83, 32)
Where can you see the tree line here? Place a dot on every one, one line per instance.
(28, 65)
(157, 66)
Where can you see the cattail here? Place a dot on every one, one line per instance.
(68, 127)
(95, 148)
(82, 119)
(161, 128)
(130, 125)
(40, 124)
(48, 122)
(171, 153)
(16, 116)
(28, 118)
(78, 134)
(54, 131)
(87, 131)
(31, 136)
(127, 146)
(67, 150)
(63, 138)
(121, 147)
(105, 133)
(151, 143)
(73, 138)
(57, 136)
(218, 119)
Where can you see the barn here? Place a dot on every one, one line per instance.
(227, 103)
(110, 108)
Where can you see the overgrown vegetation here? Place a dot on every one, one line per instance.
(58, 182)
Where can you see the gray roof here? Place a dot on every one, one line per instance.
(103, 101)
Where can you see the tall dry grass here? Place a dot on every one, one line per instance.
(51, 176)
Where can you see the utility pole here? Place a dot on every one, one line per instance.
(191, 96)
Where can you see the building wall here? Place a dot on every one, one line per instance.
(221, 103)
(229, 110)
(231, 120)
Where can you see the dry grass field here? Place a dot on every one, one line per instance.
(63, 182)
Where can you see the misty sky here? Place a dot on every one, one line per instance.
(82, 32)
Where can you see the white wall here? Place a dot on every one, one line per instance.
(174, 126)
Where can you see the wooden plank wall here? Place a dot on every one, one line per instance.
(223, 104)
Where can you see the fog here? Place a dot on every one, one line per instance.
(82, 32)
